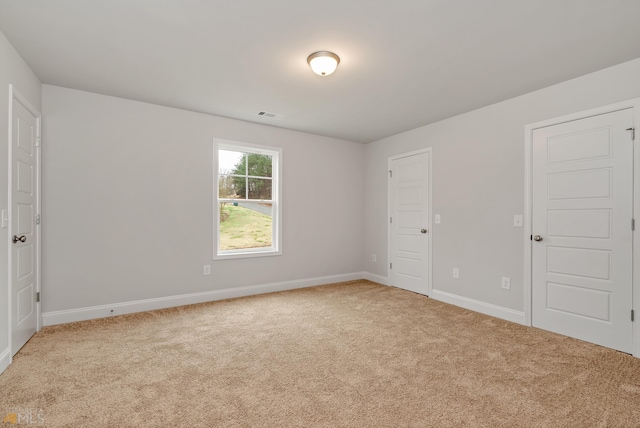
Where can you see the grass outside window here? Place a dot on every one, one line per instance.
(242, 228)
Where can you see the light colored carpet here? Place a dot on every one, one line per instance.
(354, 354)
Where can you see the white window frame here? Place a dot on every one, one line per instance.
(276, 200)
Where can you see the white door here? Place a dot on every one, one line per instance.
(24, 232)
(581, 224)
(409, 199)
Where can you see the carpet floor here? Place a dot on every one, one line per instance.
(353, 354)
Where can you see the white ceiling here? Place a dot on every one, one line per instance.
(403, 63)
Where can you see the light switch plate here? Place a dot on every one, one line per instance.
(437, 218)
(518, 220)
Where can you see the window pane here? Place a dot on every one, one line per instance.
(227, 187)
(248, 225)
(245, 225)
(259, 165)
(259, 188)
(229, 161)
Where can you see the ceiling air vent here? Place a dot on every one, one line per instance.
(270, 115)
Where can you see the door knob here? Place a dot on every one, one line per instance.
(423, 230)
(537, 238)
(17, 238)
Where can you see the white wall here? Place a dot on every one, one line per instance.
(127, 202)
(13, 70)
(478, 184)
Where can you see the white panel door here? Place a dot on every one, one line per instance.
(24, 188)
(582, 236)
(409, 240)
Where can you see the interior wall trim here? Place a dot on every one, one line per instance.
(5, 359)
(375, 278)
(478, 306)
(104, 311)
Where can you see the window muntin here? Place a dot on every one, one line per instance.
(247, 219)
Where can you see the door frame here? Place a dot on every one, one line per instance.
(14, 96)
(429, 151)
(528, 204)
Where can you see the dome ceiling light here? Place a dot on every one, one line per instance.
(323, 63)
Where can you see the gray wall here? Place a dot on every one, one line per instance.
(128, 199)
(478, 184)
(12, 70)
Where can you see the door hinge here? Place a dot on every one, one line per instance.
(390, 265)
(633, 315)
(390, 174)
(633, 224)
(390, 219)
(38, 296)
(37, 218)
(633, 133)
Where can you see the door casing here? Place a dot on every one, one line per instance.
(428, 222)
(528, 201)
(14, 96)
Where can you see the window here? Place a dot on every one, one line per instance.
(247, 217)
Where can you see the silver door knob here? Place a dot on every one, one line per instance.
(17, 238)
(423, 230)
(537, 238)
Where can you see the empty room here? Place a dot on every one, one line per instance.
(330, 214)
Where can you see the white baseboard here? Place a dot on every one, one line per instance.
(375, 278)
(103, 311)
(478, 306)
(5, 359)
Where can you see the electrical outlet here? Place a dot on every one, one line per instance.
(373, 258)
(207, 269)
(456, 273)
(506, 283)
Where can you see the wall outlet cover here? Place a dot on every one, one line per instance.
(506, 283)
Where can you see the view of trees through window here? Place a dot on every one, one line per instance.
(245, 183)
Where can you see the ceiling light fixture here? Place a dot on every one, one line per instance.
(323, 63)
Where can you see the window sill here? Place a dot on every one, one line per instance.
(246, 254)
